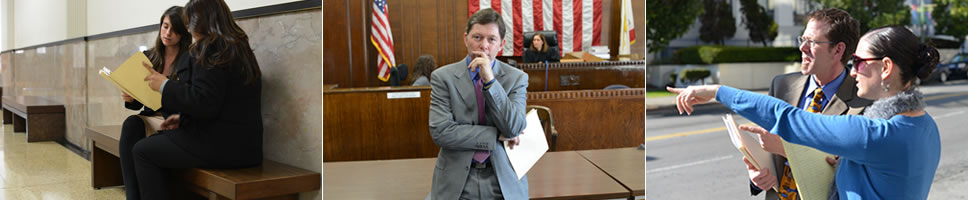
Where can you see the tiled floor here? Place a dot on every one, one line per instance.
(45, 170)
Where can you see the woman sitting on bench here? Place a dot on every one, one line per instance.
(170, 55)
(219, 124)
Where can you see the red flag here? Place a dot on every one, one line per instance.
(577, 22)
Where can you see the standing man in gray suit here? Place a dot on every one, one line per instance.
(827, 43)
(475, 105)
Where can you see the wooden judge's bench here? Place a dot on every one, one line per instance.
(379, 123)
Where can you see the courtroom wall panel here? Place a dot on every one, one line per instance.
(377, 123)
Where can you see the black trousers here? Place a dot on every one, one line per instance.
(147, 162)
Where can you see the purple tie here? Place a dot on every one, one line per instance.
(480, 155)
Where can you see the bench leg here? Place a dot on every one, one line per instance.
(19, 124)
(45, 127)
(7, 117)
(105, 168)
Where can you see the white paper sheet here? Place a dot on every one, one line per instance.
(533, 146)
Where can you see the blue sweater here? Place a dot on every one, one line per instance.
(879, 159)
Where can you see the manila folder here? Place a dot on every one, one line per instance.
(130, 77)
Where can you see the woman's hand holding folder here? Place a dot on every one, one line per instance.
(155, 79)
(770, 142)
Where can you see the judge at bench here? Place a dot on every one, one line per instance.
(541, 50)
(476, 104)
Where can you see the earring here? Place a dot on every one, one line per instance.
(885, 86)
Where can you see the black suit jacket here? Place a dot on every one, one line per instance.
(181, 69)
(790, 88)
(536, 56)
(221, 116)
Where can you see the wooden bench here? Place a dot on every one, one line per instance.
(271, 180)
(41, 117)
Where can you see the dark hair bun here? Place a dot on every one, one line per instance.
(927, 60)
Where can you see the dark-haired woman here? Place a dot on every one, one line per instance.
(539, 50)
(219, 125)
(170, 57)
(892, 152)
(421, 71)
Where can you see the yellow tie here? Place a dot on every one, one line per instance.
(788, 186)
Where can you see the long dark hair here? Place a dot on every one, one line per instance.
(915, 59)
(544, 43)
(157, 53)
(425, 65)
(220, 42)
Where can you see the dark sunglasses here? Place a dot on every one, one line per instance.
(855, 61)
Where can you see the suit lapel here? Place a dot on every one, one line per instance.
(845, 93)
(465, 87)
(795, 93)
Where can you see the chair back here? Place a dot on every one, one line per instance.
(548, 124)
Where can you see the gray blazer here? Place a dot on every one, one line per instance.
(454, 127)
(789, 87)
(421, 81)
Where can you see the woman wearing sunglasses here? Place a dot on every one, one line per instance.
(892, 152)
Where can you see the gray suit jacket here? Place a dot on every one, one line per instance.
(789, 87)
(455, 128)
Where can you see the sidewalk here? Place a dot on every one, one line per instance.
(669, 102)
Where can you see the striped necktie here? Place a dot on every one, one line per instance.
(788, 186)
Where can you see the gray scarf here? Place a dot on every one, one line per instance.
(904, 101)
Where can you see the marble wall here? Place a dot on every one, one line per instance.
(6, 71)
(287, 46)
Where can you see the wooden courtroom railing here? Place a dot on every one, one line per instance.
(595, 119)
(377, 123)
(584, 75)
(364, 124)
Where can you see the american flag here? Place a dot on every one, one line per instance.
(382, 39)
(577, 22)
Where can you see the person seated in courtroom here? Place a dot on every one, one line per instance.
(421, 71)
(168, 56)
(540, 52)
(219, 120)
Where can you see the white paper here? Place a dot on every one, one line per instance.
(533, 146)
(749, 146)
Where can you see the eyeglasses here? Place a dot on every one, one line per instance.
(855, 62)
(801, 40)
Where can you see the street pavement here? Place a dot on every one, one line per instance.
(691, 157)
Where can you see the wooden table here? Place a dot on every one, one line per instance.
(626, 165)
(558, 175)
(566, 175)
(378, 179)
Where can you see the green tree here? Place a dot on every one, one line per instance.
(667, 20)
(873, 14)
(717, 21)
(951, 18)
(757, 22)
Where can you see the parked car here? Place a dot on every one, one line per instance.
(958, 65)
(955, 68)
(940, 74)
